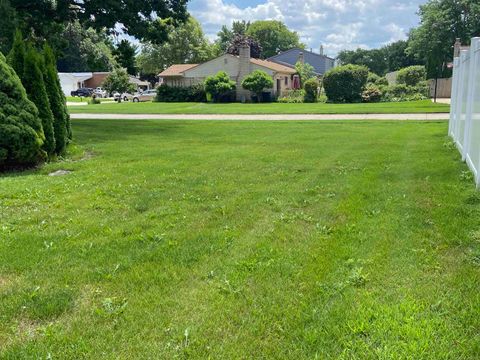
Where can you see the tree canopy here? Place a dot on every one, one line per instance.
(125, 53)
(83, 49)
(185, 44)
(441, 22)
(225, 36)
(239, 40)
(273, 36)
(391, 57)
(146, 20)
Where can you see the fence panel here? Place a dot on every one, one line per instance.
(464, 125)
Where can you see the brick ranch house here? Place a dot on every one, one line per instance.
(237, 67)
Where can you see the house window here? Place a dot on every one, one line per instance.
(286, 80)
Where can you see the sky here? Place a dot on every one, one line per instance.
(335, 24)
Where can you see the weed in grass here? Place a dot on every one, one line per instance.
(466, 175)
(112, 307)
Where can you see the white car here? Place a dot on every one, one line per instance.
(127, 96)
(100, 92)
(148, 95)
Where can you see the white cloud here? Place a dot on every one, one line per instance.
(337, 24)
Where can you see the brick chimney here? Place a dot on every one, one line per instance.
(243, 71)
(301, 57)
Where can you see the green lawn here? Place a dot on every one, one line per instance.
(243, 240)
(425, 106)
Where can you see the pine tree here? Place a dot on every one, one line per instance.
(16, 57)
(57, 101)
(21, 133)
(34, 84)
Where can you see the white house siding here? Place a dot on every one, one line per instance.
(227, 63)
(68, 83)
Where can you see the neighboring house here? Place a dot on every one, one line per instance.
(237, 67)
(73, 81)
(320, 62)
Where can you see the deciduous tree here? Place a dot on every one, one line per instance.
(273, 36)
(441, 22)
(125, 53)
(185, 44)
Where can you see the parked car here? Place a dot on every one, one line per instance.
(148, 95)
(100, 92)
(84, 92)
(127, 97)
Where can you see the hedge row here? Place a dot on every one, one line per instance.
(195, 93)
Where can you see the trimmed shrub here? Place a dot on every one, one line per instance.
(382, 82)
(412, 75)
(372, 78)
(402, 92)
(256, 82)
(372, 93)
(292, 97)
(345, 83)
(21, 133)
(220, 87)
(57, 101)
(34, 84)
(311, 90)
(194, 93)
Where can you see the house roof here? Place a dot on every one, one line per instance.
(179, 69)
(274, 66)
(138, 82)
(176, 70)
(321, 63)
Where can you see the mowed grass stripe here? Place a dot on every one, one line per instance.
(241, 240)
(406, 107)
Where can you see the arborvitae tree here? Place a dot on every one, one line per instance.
(21, 133)
(16, 57)
(35, 86)
(57, 101)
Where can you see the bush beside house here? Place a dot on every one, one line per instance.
(345, 83)
(220, 88)
(311, 87)
(412, 75)
(257, 82)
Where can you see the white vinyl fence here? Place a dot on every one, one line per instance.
(464, 125)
